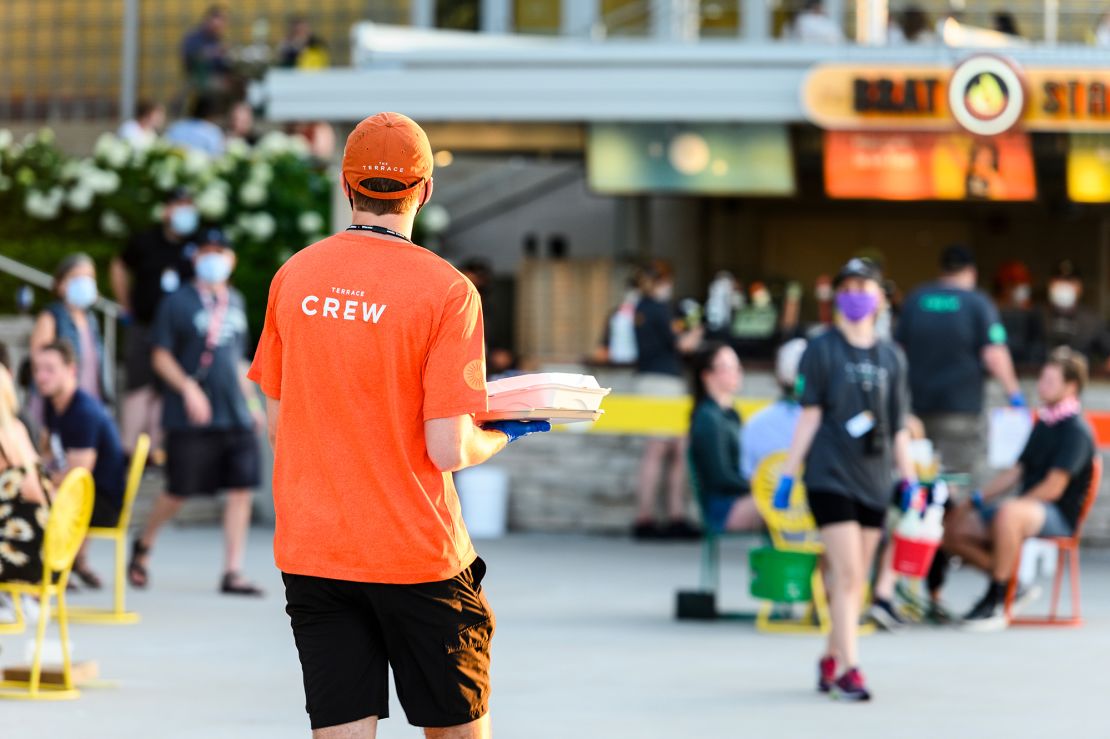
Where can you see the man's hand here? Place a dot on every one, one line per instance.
(197, 408)
(517, 429)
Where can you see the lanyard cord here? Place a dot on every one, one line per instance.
(379, 230)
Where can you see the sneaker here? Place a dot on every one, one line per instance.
(850, 687)
(682, 530)
(987, 615)
(826, 674)
(883, 614)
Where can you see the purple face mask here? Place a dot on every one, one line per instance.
(856, 306)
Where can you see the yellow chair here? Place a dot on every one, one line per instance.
(793, 530)
(66, 527)
(118, 614)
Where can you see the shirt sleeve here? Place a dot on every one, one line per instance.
(267, 365)
(161, 330)
(455, 369)
(899, 392)
(989, 328)
(812, 382)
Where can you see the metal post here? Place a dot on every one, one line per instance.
(1051, 21)
(675, 20)
(423, 13)
(835, 10)
(579, 17)
(871, 22)
(495, 16)
(755, 21)
(129, 64)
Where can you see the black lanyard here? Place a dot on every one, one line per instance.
(379, 230)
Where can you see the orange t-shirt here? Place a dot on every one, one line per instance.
(366, 339)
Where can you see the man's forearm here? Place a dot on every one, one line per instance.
(170, 371)
(1001, 366)
(1002, 483)
(479, 446)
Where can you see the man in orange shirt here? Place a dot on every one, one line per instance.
(372, 363)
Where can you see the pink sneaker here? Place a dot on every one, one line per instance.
(850, 687)
(826, 674)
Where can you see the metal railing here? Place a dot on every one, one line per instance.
(109, 308)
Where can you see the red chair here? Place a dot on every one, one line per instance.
(1065, 545)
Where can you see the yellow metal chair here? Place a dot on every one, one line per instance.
(65, 531)
(792, 530)
(118, 613)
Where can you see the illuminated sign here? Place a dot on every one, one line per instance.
(985, 95)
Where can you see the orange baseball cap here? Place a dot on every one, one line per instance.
(388, 145)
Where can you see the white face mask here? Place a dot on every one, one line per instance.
(824, 293)
(1063, 295)
(1022, 293)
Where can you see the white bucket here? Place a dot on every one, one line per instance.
(484, 496)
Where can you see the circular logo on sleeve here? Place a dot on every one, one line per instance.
(986, 95)
(475, 375)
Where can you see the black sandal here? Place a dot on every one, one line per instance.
(231, 585)
(136, 573)
(87, 577)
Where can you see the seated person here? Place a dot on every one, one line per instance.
(715, 441)
(1054, 472)
(772, 429)
(23, 502)
(79, 433)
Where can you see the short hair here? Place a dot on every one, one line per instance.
(146, 107)
(1072, 365)
(215, 10)
(64, 347)
(209, 105)
(383, 206)
(70, 263)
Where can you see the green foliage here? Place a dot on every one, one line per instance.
(271, 199)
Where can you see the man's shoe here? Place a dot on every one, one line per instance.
(234, 584)
(682, 530)
(826, 674)
(987, 615)
(850, 687)
(883, 614)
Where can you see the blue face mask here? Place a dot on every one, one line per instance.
(213, 268)
(81, 292)
(184, 220)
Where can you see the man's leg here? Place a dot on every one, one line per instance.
(744, 516)
(1017, 520)
(366, 728)
(237, 521)
(479, 729)
(134, 414)
(651, 468)
(966, 537)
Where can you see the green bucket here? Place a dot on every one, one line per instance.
(780, 576)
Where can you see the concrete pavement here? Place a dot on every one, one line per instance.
(586, 647)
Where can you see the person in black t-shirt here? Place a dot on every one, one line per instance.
(659, 349)
(1053, 474)
(953, 340)
(852, 437)
(79, 433)
(152, 265)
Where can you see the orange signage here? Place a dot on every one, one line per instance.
(985, 94)
(888, 165)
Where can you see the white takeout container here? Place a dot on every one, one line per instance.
(549, 391)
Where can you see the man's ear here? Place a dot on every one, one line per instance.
(428, 187)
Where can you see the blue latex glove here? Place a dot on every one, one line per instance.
(517, 429)
(781, 500)
(1017, 400)
(907, 489)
